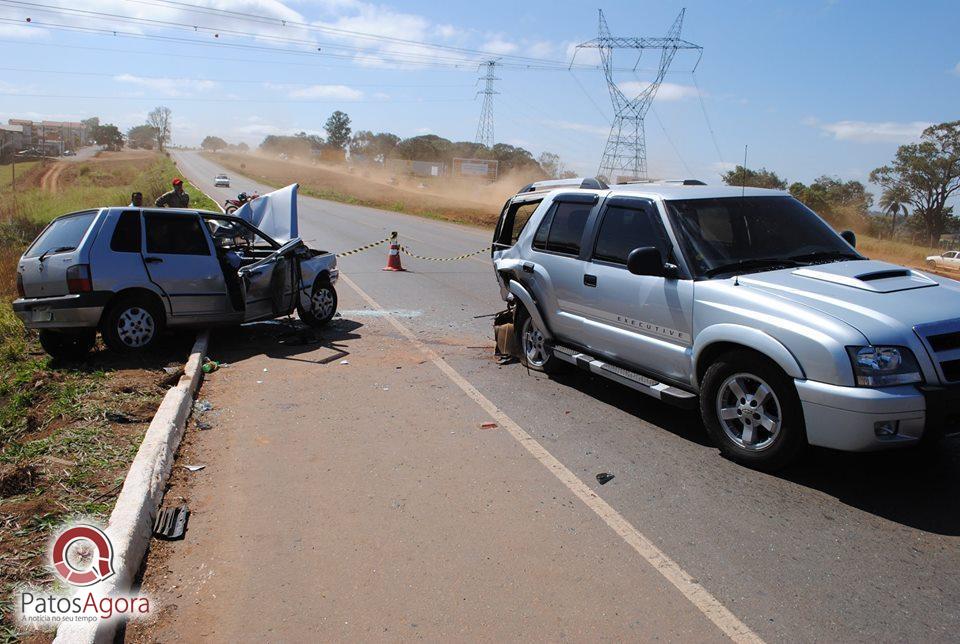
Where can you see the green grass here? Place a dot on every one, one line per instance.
(6, 172)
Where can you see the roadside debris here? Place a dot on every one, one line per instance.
(202, 406)
(172, 371)
(344, 362)
(171, 523)
(603, 478)
(202, 425)
(488, 425)
(209, 366)
(194, 468)
(504, 333)
(117, 417)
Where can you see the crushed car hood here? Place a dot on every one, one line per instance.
(879, 299)
(274, 213)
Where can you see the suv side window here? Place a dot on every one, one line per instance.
(126, 236)
(563, 228)
(623, 229)
(513, 221)
(175, 235)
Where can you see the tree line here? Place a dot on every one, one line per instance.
(917, 186)
(154, 133)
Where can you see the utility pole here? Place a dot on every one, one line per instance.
(625, 155)
(485, 125)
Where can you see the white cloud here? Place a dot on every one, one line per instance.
(22, 32)
(597, 130)
(167, 86)
(872, 132)
(666, 91)
(499, 46)
(332, 92)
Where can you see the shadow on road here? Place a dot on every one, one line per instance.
(286, 339)
(918, 488)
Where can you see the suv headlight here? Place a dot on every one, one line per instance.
(884, 366)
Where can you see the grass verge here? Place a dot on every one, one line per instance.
(68, 431)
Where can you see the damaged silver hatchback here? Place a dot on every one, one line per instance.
(131, 272)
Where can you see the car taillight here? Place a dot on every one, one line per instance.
(78, 279)
(20, 290)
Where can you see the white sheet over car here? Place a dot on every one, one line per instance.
(274, 213)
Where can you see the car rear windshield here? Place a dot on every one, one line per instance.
(720, 232)
(63, 234)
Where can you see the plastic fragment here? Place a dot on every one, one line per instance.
(604, 477)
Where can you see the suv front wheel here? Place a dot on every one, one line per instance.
(752, 411)
(536, 352)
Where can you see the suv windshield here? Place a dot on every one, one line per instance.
(62, 235)
(733, 234)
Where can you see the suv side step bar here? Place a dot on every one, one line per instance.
(643, 384)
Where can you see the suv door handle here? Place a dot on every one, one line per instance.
(153, 260)
(527, 267)
(590, 280)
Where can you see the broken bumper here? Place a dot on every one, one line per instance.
(82, 310)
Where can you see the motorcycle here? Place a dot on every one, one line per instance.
(230, 206)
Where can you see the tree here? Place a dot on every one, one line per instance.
(213, 143)
(141, 136)
(160, 120)
(108, 135)
(338, 130)
(894, 202)
(762, 178)
(550, 163)
(928, 174)
(843, 203)
(90, 125)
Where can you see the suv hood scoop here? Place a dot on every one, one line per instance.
(874, 276)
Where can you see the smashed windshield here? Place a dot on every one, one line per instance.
(738, 233)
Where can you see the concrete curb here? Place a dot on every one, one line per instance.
(131, 522)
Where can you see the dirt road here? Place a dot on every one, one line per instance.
(840, 547)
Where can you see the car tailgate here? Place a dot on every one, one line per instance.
(43, 268)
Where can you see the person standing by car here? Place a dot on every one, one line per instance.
(136, 200)
(175, 198)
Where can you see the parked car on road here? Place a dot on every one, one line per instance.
(221, 181)
(742, 302)
(131, 272)
(949, 260)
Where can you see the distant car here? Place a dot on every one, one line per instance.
(131, 272)
(950, 259)
(69, 153)
(221, 181)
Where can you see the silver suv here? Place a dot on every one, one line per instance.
(743, 302)
(131, 272)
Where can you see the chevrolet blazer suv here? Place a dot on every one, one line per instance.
(131, 272)
(740, 301)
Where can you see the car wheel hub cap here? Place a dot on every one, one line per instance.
(534, 344)
(749, 411)
(135, 327)
(321, 303)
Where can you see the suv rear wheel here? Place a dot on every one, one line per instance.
(132, 324)
(752, 411)
(68, 345)
(536, 352)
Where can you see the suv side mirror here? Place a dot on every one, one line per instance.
(850, 237)
(645, 260)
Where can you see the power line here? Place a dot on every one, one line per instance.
(706, 118)
(670, 141)
(194, 99)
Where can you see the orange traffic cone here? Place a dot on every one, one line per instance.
(393, 255)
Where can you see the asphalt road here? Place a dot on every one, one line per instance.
(841, 547)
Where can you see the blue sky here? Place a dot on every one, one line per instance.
(811, 87)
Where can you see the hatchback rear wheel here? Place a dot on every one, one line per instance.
(133, 324)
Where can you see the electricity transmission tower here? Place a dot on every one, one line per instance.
(625, 155)
(485, 126)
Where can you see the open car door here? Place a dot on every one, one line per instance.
(270, 284)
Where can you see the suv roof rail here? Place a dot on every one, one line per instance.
(586, 183)
(680, 182)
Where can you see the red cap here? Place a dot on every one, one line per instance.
(177, 182)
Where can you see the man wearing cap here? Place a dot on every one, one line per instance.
(176, 198)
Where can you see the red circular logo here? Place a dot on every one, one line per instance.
(82, 555)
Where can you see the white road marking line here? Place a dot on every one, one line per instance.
(699, 596)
